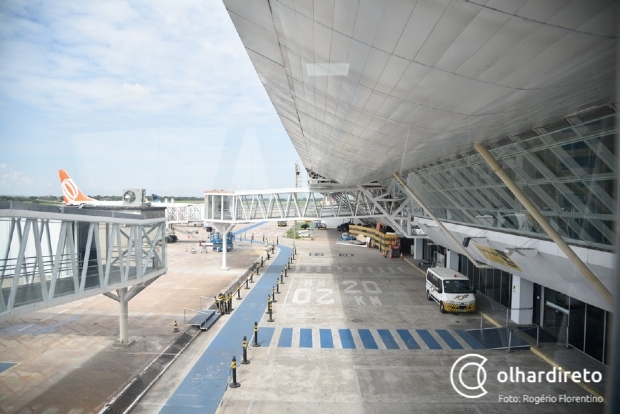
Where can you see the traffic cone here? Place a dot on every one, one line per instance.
(401, 256)
(176, 327)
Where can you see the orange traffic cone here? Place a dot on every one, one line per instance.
(401, 256)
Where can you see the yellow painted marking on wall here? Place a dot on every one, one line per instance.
(497, 256)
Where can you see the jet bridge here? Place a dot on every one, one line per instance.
(52, 255)
(224, 209)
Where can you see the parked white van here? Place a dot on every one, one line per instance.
(450, 289)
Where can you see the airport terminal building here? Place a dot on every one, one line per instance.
(423, 88)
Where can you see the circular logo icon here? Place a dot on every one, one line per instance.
(466, 388)
(69, 189)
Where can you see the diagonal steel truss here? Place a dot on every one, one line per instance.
(366, 201)
(49, 258)
(184, 214)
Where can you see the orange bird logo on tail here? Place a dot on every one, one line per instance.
(70, 191)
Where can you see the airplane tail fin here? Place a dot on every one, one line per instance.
(71, 192)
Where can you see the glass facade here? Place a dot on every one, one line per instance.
(567, 170)
(494, 283)
(588, 326)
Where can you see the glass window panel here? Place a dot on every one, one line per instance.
(609, 142)
(595, 332)
(506, 289)
(531, 143)
(562, 135)
(497, 283)
(536, 310)
(608, 336)
(553, 163)
(576, 323)
(528, 168)
(586, 158)
(600, 126)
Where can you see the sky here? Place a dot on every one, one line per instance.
(159, 95)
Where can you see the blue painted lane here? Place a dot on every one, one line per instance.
(388, 339)
(326, 338)
(264, 335)
(469, 339)
(428, 339)
(408, 339)
(203, 388)
(346, 339)
(248, 228)
(445, 335)
(305, 338)
(367, 339)
(286, 338)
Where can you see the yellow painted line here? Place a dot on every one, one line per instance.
(414, 266)
(491, 320)
(561, 368)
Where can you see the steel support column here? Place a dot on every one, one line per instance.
(223, 228)
(123, 336)
(531, 208)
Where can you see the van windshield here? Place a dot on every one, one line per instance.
(457, 286)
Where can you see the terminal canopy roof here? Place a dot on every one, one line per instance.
(366, 88)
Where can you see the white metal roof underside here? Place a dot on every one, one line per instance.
(368, 87)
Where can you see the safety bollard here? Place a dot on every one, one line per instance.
(247, 279)
(257, 267)
(277, 240)
(176, 327)
(285, 271)
(230, 308)
(281, 278)
(281, 274)
(270, 314)
(273, 294)
(277, 286)
(273, 249)
(233, 366)
(262, 261)
(217, 304)
(256, 335)
(268, 303)
(238, 291)
(268, 257)
(245, 351)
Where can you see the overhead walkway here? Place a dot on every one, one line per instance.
(54, 255)
(366, 201)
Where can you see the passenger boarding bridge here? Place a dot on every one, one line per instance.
(54, 255)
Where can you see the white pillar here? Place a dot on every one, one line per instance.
(522, 297)
(418, 248)
(223, 228)
(123, 337)
(452, 260)
(224, 247)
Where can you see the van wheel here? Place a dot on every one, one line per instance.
(428, 295)
(441, 308)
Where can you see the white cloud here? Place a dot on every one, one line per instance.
(81, 82)
(135, 88)
(13, 180)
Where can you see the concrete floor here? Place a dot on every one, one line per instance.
(67, 363)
